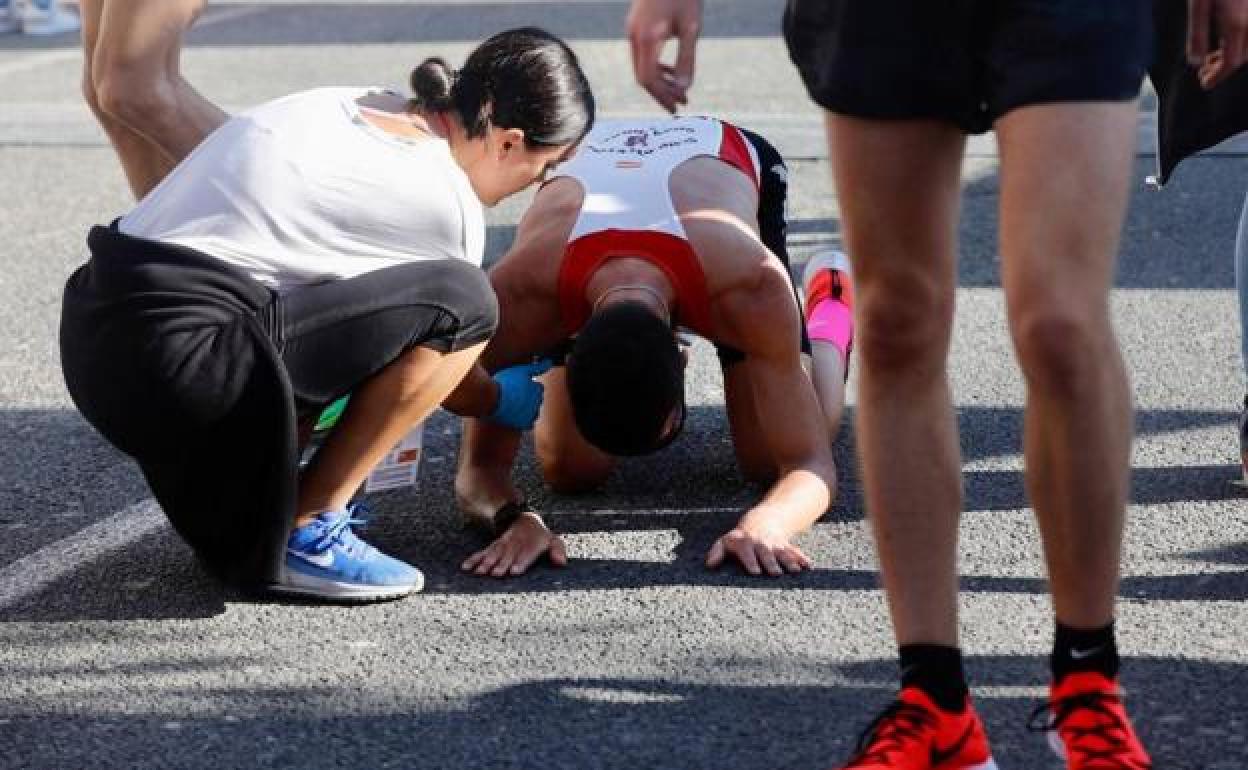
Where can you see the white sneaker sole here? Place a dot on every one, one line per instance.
(295, 584)
(830, 259)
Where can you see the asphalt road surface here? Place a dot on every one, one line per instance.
(116, 650)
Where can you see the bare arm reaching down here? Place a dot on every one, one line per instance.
(651, 23)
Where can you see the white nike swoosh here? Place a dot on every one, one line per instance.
(1077, 654)
(323, 559)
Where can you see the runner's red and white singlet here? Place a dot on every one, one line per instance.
(624, 167)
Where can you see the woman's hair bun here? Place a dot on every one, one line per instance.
(431, 83)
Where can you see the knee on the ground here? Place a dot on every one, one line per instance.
(568, 475)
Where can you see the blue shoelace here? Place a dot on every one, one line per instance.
(340, 532)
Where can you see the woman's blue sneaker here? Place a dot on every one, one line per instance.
(325, 560)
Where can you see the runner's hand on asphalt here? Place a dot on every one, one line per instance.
(517, 549)
(759, 549)
(1217, 60)
(651, 23)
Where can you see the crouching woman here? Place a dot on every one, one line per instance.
(326, 242)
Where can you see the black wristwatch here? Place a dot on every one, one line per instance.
(501, 521)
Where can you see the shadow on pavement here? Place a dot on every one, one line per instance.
(58, 476)
(687, 570)
(692, 488)
(154, 577)
(622, 722)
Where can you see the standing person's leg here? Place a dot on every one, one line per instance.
(900, 191)
(1060, 224)
(132, 81)
(142, 161)
(1060, 227)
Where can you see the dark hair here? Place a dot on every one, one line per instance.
(625, 379)
(522, 78)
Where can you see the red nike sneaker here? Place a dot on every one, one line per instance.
(914, 734)
(1088, 726)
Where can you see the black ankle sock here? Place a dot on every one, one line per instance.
(1084, 650)
(936, 670)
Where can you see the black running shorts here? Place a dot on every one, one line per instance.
(966, 61)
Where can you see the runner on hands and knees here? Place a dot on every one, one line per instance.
(655, 225)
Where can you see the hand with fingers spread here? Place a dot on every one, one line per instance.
(517, 549)
(1228, 20)
(759, 548)
(651, 23)
(519, 395)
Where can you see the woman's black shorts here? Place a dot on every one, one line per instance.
(335, 335)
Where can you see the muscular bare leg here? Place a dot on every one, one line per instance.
(143, 162)
(379, 413)
(900, 200)
(132, 81)
(1060, 225)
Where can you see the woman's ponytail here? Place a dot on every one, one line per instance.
(522, 78)
(432, 83)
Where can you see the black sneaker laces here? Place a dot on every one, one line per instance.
(1110, 729)
(838, 288)
(889, 732)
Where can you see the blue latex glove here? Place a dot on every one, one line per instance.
(519, 395)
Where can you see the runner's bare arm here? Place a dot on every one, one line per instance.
(791, 429)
